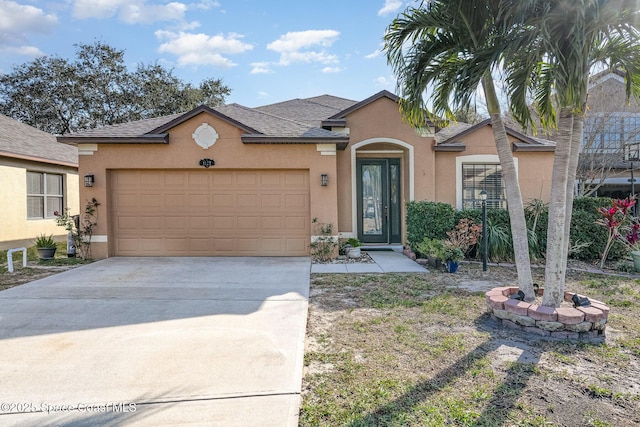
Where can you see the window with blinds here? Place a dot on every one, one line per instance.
(478, 177)
(45, 195)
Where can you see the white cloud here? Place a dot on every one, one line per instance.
(129, 11)
(207, 4)
(375, 54)
(30, 51)
(17, 21)
(202, 49)
(261, 68)
(384, 82)
(293, 46)
(390, 6)
(331, 69)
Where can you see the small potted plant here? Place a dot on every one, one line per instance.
(452, 255)
(46, 246)
(352, 248)
(433, 249)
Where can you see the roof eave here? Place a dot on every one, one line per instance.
(38, 159)
(450, 147)
(334, 123)
(162, 138)
(341, 143)
(524, 147)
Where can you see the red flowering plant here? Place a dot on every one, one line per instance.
(620, 225)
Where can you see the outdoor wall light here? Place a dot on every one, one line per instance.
(323, 179)
(89, 179)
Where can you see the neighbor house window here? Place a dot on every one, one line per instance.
(608, 133)
(44, 195)
(478, 177)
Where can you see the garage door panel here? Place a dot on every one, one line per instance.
(149, 201)
(247, 179)
(150, 178)
(178, 223)
(224, 223)
(151, 223)
(271, 179)
(222, 179)
(127, 224)
(247, 201)
(298, 202)
(273, 223)
(298, 180)
(126, 200)
(248, 224)
(270, 246)
(297, 223)
(296, 245)
(213, 212)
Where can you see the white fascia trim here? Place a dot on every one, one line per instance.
(354, 192)
(87, 149)
(326, 149)
(381, 152)
(478, 159)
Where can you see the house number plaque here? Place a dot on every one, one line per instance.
(207, 163)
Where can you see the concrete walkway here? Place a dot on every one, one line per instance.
(385, 262)
(156, 342)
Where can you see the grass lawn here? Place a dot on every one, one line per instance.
(420, 349)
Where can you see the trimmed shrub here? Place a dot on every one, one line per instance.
(428, 219)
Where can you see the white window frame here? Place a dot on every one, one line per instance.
(479, 159)
(44, 195)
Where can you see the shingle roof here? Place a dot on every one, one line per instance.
(126, 130)
(449, 135)
(310, 110)
(298, 118)
(19, 140)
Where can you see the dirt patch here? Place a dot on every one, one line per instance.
(404, 349)
(35, 270)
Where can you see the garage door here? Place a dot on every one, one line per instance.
(209, 212)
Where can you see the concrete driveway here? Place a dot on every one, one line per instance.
(156, 341)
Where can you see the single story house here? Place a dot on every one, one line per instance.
(234, 181)
(38, 176)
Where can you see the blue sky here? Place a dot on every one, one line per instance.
(265, 51)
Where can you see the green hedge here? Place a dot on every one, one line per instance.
(433, 220)
(428, 219)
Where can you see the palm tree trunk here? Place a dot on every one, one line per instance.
(512, 187)
(574, 153)
(556, 241)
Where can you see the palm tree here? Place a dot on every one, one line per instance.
(547, 49)
(559, 42)
(436, 47)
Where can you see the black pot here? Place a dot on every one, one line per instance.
(46, 253)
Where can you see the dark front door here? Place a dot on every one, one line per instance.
(378, 188)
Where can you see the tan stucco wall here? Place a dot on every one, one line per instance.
(16, 229)
(534, 168)
(380, 127)
(228, 152)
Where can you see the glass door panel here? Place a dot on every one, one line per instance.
(372, 200)
(379, 200)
